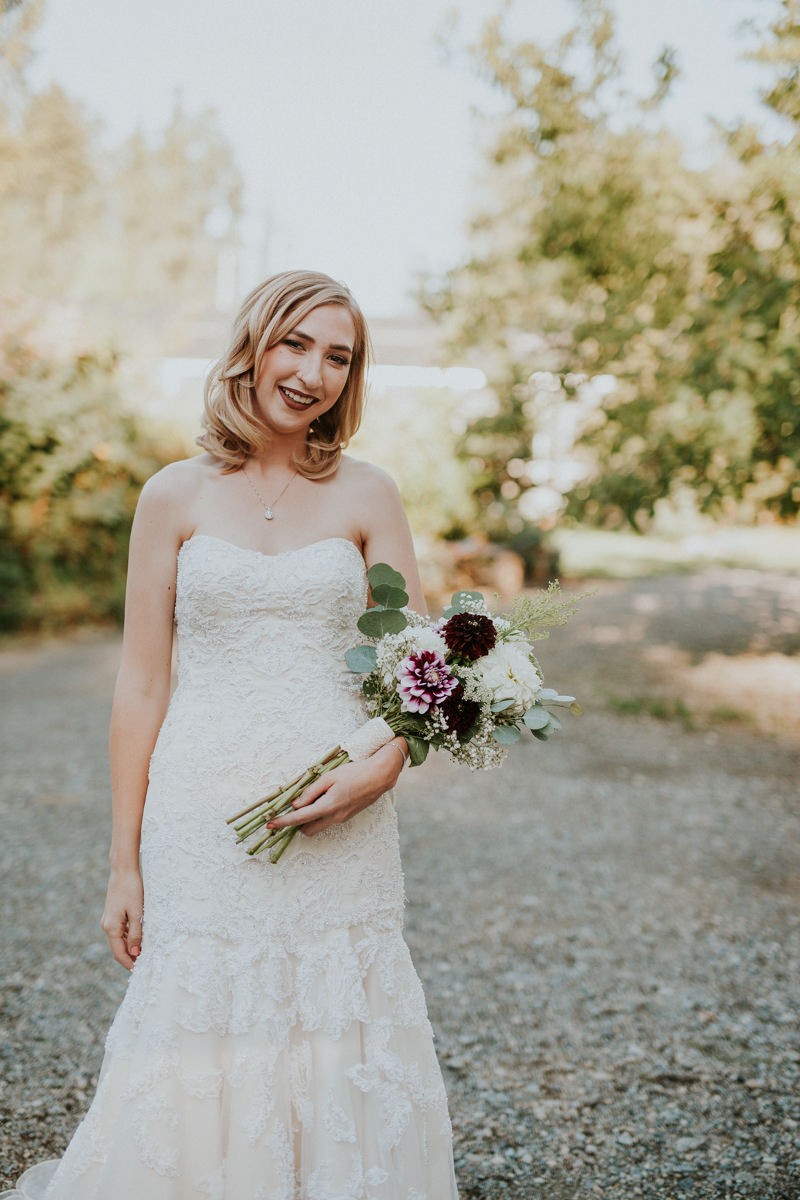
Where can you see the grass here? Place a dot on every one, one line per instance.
(603, 554)
(665, 708)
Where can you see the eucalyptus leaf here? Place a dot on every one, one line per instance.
(389, 596)
(542, 734)
(501, 705)
(547, 694)
(506, 735)
(376, 622)
(555, 721)
(460, 601)
(382, 573)
(537, 717)
(361, 659)
(417, 749)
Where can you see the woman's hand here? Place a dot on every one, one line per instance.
(122, 916)
(339, 794)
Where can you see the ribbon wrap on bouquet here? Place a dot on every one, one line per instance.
(367, 739)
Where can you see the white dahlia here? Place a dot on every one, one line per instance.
(509, 674)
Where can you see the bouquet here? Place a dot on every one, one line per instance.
(467, 683)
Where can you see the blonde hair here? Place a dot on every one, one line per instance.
(232, 429)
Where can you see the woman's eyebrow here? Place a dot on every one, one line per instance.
(333, 346)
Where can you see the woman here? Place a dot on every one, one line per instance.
(273, 1043)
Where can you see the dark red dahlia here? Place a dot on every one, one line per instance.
(469, 634)
(459, 714)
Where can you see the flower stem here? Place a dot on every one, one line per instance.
(276, 853)
(277, 804)
(312, 773)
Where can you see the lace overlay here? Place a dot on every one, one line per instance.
(273, 1043)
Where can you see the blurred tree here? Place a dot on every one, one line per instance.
(601, 253)
(72, 462)
(124, 242)
(133, 235)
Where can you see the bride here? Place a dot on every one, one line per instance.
(273, 1042)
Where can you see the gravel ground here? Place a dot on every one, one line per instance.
(611, 962)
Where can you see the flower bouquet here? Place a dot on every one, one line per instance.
(468, 683)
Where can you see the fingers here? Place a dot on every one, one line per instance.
(125, 939)
(299, 814)
(313, 792)
(120, 951)
(134, 938)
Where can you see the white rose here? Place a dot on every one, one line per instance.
(509, 674)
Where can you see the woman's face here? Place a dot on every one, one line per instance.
(304, 375)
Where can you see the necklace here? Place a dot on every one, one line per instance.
(269, 513)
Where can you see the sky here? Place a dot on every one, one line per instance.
(355, 131)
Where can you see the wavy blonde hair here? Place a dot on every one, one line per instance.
(232, 429)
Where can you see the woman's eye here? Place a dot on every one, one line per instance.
(293, 344)
(340, 362)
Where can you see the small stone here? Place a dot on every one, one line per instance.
(685, 1145)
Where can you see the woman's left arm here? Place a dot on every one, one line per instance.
(340, 794)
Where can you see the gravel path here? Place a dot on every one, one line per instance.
(611, 963)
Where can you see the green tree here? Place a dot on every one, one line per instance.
(601, 253)
(72, 462)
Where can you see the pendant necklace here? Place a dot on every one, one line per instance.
(269, 509)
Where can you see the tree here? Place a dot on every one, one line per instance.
(72, 462)
(601, 253)
(123, 234)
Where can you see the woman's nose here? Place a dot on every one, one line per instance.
(311, 371)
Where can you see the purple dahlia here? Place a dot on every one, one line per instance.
(460, 714)
(471, 635)
(425, 681)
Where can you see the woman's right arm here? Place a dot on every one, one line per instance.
(141, 697)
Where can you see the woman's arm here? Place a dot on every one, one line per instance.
(340, 794)
(141, 696)
(387, 536)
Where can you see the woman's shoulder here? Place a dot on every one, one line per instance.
(171, 494)
(184, 475)
(366, 477)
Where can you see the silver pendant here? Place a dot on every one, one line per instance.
(268, 514)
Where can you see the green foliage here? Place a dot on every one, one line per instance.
(72, 462)
(387, 586)
(361, 659)
(534, 614)
(461, 602)
(123, 239)
(601, 253)
(506, 735)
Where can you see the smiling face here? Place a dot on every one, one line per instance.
(304, 374)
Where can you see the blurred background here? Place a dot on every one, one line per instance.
(573, 227)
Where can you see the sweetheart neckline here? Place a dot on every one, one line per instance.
(277, 554)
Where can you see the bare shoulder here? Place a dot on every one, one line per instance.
(174, 481)
(179, 481)
(169, 495)
(368, 482)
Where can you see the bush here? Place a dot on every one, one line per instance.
(72, 461)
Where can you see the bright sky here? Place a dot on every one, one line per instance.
(353, 129)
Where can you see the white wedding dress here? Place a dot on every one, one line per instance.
(273, 1043)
